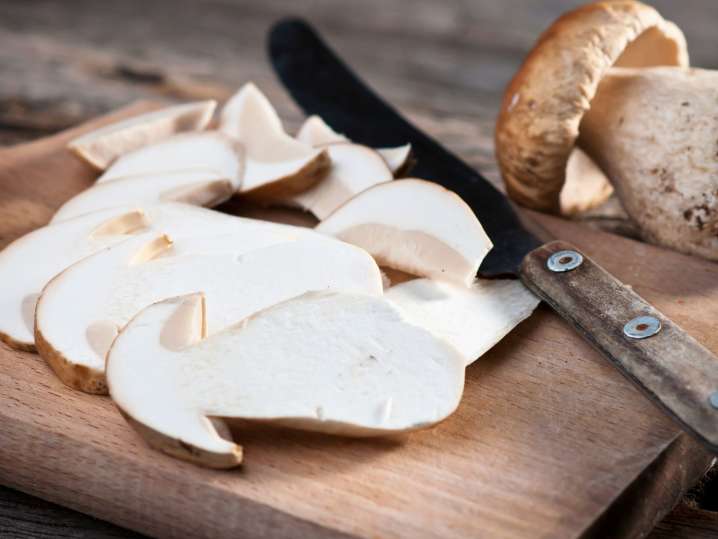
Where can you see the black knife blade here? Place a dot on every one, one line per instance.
(675, 371)
(322, 84)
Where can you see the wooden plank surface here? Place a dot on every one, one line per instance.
(547, 439)
(26, 517)
(687, 522)
(60, 65)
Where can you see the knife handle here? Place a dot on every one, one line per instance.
(668, 365)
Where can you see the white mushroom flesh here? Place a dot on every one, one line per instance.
(414, 226)
(334, 362)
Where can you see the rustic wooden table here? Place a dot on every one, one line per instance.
(443, 63)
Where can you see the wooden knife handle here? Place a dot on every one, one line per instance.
(672, 368)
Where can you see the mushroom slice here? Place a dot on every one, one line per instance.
(472, 319)
(195, 187)
(181, 153)
(102, 146)
(81, 310)
(277, 165)
(543, 105)
(334, 362)
(414, 226)
(317, 133)
(28, 263)
(354, 169)
(398, 159)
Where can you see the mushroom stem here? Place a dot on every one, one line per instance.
(653, 131)
(585, 186)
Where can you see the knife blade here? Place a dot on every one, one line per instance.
(675, 371)
(322, 84)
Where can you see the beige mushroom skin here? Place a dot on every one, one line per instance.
(101, 147)
(544, 103)
(585, 186)
(654, 131)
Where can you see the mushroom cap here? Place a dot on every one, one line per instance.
(543, 105)
(654, 132)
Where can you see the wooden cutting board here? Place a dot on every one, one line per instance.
(549, 441)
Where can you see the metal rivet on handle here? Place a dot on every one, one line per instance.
(713, 399)
(642, 327)
(564, 261)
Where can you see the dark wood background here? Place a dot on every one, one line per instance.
(443, 63)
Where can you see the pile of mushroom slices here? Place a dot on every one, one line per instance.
(183, 313)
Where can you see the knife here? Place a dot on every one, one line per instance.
(670, 367)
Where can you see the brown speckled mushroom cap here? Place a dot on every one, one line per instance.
(544, 103)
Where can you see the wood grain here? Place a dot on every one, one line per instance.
(687, 522)
(26, 517)
(546, 440)
(673, 470)
(675, 371)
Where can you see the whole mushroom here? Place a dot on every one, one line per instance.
(612, 79)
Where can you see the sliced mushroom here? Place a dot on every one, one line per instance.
(354, 169)
(196, 187)
(414, 226)
(654, 131)
(472, 319)
(543, 105)
(82, 309)
(182, 153)
(315, 132)
(28, 263)
(102, 146)
(339, 363)
(277, 165)
(398, 159)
